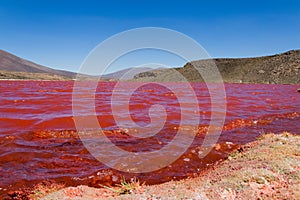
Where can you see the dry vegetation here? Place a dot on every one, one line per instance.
(30, 76)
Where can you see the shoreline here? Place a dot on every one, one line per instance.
(267, 168)
(73, 80)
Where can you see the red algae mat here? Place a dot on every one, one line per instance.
(39, 140)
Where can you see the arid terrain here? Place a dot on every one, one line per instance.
(275, 69)
(13, 67)
(31, 76)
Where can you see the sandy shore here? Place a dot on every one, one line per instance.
(268, 168)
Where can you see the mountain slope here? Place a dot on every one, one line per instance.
(279, 68)
(10, 63)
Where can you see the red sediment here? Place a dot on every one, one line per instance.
(47, 134)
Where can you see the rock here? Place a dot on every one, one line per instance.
(18, 194)
(217, 147)
(261, 71)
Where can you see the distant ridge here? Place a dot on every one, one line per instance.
(128, 73)
(280, 68)
(14, 67)
(9, 64)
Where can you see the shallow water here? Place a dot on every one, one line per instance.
(38, 138)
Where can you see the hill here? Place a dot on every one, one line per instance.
(13, 67)
(280, 68)
(124, 74)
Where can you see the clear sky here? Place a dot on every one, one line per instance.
(60, 34)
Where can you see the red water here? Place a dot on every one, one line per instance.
(38, 138)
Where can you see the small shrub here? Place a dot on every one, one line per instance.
(125, 187)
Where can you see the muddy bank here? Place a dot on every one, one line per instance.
(268, 168)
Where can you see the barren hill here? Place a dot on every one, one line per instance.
(279, 68)
(15, 67)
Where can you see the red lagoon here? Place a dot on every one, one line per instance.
(39, 141)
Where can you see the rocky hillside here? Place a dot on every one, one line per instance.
(279, 68)
(13, 67)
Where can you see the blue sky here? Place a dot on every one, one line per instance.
(60, 34)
